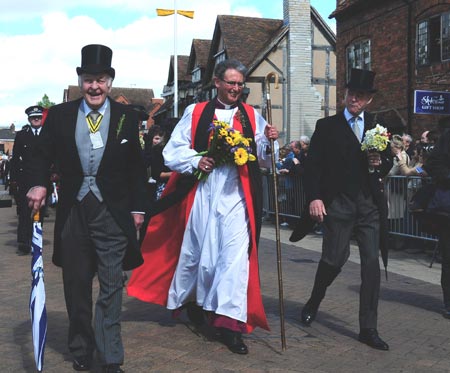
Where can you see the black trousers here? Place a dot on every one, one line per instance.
(359, 216)
(92, 242)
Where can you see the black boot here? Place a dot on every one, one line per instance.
(195, 314)
(325, 275)
(233, 340)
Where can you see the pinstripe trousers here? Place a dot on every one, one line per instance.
(92, 242)
(359, 216)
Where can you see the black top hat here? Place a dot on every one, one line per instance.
(361, 80)
(34, 111)
(96, 59)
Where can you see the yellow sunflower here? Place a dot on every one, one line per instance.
(240, 156)
(229, 140)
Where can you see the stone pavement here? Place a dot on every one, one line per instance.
(409, 318)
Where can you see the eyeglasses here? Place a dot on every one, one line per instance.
(232, 84)
(35, 118)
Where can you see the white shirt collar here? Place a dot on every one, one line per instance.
(348, 116)
(87, 109)
(33, 129)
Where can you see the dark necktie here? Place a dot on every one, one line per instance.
(36, 132)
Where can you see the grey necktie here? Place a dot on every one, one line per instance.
(355, 127)
(94, 115)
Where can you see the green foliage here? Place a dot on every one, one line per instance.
(45, 102)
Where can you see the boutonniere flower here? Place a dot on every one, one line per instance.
(142, 141)
(120, 125)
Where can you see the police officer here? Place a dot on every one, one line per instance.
(22, 152)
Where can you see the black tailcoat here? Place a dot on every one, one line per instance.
(336, 164)
(121, 175)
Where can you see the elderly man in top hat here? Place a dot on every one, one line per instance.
(100, 209)
(344, 193)
(24, 144)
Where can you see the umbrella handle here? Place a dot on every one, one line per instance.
(36, 217)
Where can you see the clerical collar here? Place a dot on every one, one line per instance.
(221, 105)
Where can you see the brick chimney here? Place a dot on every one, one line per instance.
(304, 103)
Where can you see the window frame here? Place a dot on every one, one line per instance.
(433, 40)
(362, 55)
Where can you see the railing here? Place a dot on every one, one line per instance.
(399, 190)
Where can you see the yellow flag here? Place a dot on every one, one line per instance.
(164, 12)
(186, 13)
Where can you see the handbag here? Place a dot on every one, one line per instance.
(431, 206)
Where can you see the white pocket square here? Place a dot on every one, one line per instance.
(124, 141)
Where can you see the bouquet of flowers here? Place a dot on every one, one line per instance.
(227, 146)
(375, 139)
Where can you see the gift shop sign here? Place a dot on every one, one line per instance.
(431, 102)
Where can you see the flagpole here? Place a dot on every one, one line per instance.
(184, 13)
(175, 63)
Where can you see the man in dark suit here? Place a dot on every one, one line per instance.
(24, 144)
(101, 205)
(344, 192)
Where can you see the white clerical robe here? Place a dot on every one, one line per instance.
(213, 266)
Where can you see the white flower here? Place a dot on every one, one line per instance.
(376, 139)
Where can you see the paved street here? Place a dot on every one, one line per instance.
(409, 318)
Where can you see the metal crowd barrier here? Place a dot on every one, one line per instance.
(399, 190)
(291, 196)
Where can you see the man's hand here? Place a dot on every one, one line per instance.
(374, 159)
(317, 210)
(138, 220)
(271, 132)
(36, 198)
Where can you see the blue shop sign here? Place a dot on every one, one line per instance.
(431, 102)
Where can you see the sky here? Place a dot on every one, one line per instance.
(41, 42)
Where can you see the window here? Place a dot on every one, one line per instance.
(219, 57)
(196, 75)
(358, 56)
(433, 40)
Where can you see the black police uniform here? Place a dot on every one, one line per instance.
(24, 143)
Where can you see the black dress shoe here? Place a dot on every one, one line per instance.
(371, 338)
(195, 314)
(82, 363)
(112, 368)
(308, 314)
(233, 340)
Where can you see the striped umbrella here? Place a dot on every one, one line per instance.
(38, 312)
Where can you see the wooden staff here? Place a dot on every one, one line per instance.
(277, 217)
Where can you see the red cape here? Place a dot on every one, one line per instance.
(161, 246)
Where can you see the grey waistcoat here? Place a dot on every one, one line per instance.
(90, 158)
